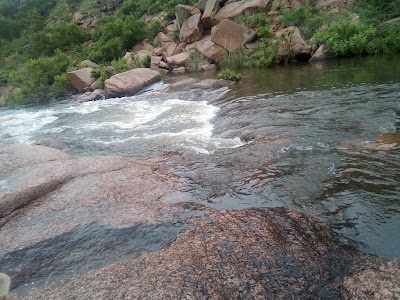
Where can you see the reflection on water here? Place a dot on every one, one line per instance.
(299, 121)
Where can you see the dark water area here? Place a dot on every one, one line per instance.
(83, 249)
(296, 136)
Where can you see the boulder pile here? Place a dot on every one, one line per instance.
(210, 27)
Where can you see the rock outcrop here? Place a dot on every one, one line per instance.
(210, 49)
(179, 59)
(246, 254)
(234, 10)
(184, 12)
(292, 44)
(323, 52)
(210, 10)
(81, 79)
(192, 29)
(231, 36)
(130, 82)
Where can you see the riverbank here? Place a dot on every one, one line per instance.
(189, 38)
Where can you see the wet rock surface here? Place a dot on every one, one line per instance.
(61, 215)
(252, 254)
(105, 229)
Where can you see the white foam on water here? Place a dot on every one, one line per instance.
(19, 126)
(158, 122)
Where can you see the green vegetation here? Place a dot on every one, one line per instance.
(138, 8)
(39, 42)
(346, 37)
(307, 17)
(195, 59)
(229, 74)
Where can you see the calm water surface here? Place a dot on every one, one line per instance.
(312, 123)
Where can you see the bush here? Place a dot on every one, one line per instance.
(253, 20)
(235, 61)
(346, 37)
(307, 17)
(266, 54)
(376, 11)
(115, 35)
(106, 51)
(62, 36)
(228, 74)
(38, 77)
(195, 59)
(386, 40)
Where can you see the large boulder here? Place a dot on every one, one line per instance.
(97, 94)
(145, 45)
(233, 10)
(210, 10)
(322, 53)
(163, 39)
(130, 82)
(231, 36)
(292, 44)
(184, 12)
(81, 79)
(192, 29)
(335, 6)
(179, 59)
(210, 49)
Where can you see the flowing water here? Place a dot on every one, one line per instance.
(305, 133)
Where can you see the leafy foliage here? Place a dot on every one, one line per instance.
(39, 76)
(307, 17)
(346, 37)
(229, 74)
(62, 36)
(138, 8)
(117, 34)
(195, 59)
(253, 20)
(235, 61)
(376, 11)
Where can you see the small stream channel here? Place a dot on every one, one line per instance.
(292, 136)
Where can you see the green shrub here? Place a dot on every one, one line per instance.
(346, 37)
(229, 74)
(386, 40)
(266, 53)
(61, 84)
(107, 51)
(307, 17)
(235, 61)
(265, 32)
(62, 36)
(38, 77)
(194, 60)
(376, 11)
(137, 8)
(114, 35)
(253, 20)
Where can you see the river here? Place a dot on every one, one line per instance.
(295, 136)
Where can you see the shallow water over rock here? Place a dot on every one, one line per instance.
(319, 139)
